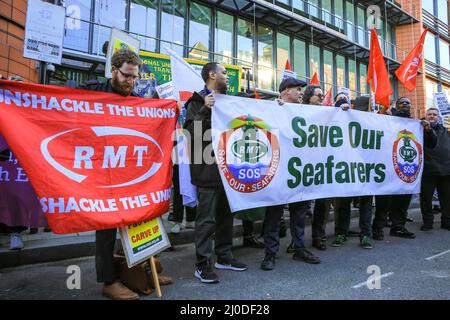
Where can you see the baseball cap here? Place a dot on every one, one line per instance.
(291, 82)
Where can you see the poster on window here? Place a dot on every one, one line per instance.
(119, 40)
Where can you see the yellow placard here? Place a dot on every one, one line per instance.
(144, 235)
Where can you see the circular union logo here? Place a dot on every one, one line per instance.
(407, 156)
(248, 154)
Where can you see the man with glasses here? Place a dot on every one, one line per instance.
(436, 175)
(125, 72)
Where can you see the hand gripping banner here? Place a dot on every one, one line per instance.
(96, 160)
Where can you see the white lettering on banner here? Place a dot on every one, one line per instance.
(111, 158)
(269, 154)
(73, 205)
(49, 103)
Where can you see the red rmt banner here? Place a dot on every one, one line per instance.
(96, 160)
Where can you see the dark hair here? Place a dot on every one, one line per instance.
(207, 68)
(338, 94)
(125, 56)
(309, 93)
(398, 100)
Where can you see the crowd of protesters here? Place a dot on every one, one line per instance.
(212, 218)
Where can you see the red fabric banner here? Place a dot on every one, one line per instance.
(96, 160)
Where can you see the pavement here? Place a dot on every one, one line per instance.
(395, 268)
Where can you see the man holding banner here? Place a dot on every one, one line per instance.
(125, 72)
(213, 211)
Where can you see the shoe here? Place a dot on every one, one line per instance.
(291, 248)
(436, 209)
(118, 291)
(402, 233)
(378, 235)
(253, 243)
(445, 227)
(339, 241)
(206, 274)
(409, 220)
(319, 244)
(15, 242)
(426, 227)
(230, 264)
(189, 225)
(176, 228)
(269, 262)
(365, 242)
(306, 256)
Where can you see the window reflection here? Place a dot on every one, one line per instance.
(224, 37)
(300, 58)
(199, 31)
(283, 53)
(143, 22)
(265, 66)
(172, 25)
(76, 31)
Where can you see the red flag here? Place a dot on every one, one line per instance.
(377, 75)
(328, 100)
(407, 72)
(288, 65)
(257, 96)
(315, 80)
(96, 160)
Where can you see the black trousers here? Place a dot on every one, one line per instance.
(382, 205)
(365, 215)
(429, 184)
(178, 209)
(104, 252)
(399, 210)
(320, 216)
(297, 211)
(214, 218)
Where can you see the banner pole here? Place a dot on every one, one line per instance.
(155, 277)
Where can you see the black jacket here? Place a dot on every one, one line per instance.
(429, 137)
(202, 174)
(437, 159)
(95, 85)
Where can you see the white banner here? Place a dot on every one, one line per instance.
(269, 154)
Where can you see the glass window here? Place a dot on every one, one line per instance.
(328, 70)
(430, 49)
(77, 32)
(339, 14)
(428, 5)
(431, 87)
(390, 41)
(444, 54)
(313, 8)
(224, 37)
(443, 10)
(265, 58)
(199, 31)
(300, 58)
(143, 21)
(326, 11)
(350, 12)
(110, 13)
(340, 71)
(314, 61)
(284, 1)
(352, 78)
(172, 25)
(245, 52)
(283, 54)
(298, 4)
(380, 33)
(361, 26)
(363, 79)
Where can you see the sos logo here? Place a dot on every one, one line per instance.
(248, 154)
(407, 156)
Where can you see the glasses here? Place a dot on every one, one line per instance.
(128, 76)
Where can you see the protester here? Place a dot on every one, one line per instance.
(19, 207)
(365, 202)
(291, 92)
(213, 211)
(314, 95)
(436, 175)
(399, 204)
(125, 72)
